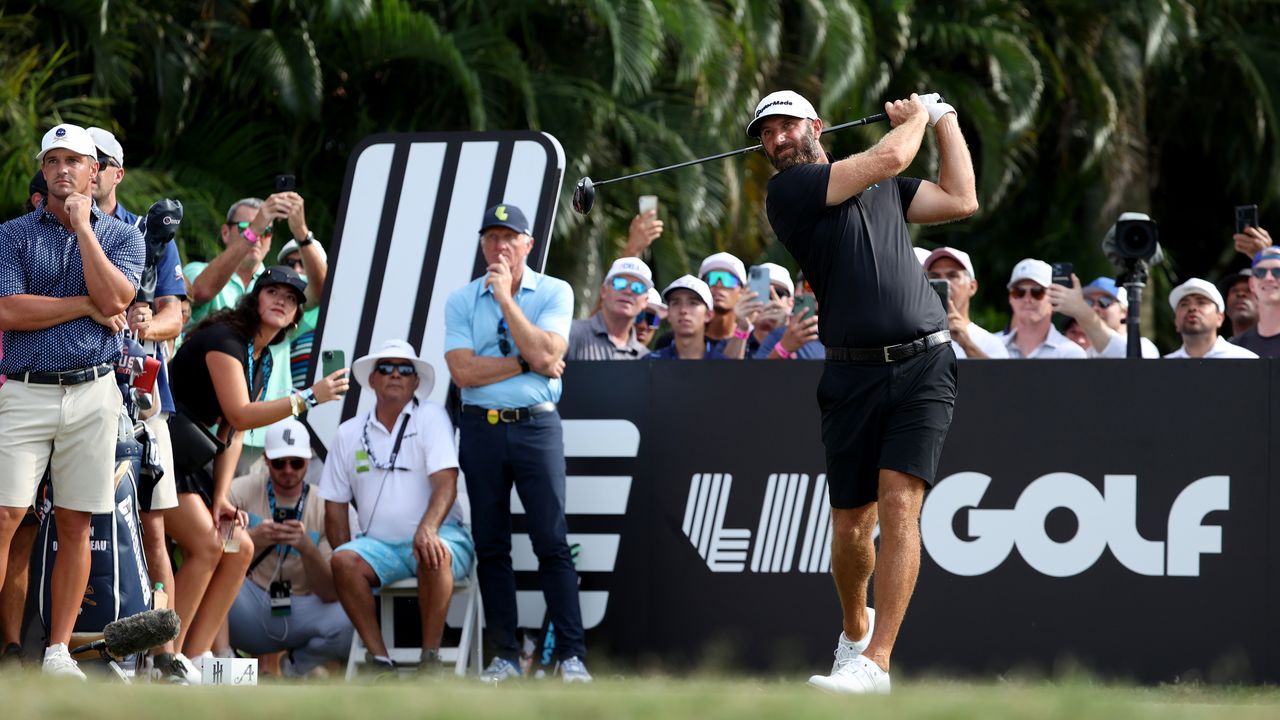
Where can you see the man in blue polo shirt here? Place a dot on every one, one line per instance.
(110, 175)
(67, 274)
(505, 338)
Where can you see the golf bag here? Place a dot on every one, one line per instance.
(119, 584)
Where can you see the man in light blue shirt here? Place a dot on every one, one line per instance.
(505, 338)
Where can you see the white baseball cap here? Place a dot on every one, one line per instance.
(292, 247)
(107, 144)
(72, 137)
(632, 266)
(655, 302)
(959, 256)
(778, 275)
(1037, 271)
(396, 350)
(922, 254)
(689, 282)
(782, 102)
(287, 438)
(723, 261)
(1196, 286)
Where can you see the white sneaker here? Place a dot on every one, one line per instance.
(572, 670)
(846, 652)
(58, 663)
(184, 672)
(860, 676)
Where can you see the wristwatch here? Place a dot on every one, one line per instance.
(524, 364)
(310, 238)
(310, 396)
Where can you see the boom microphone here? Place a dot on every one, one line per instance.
(135, 634)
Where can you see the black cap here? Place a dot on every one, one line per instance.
(1226, 283)
(507, 216)
(38, 185)
(282, 275)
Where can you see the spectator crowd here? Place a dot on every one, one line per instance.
(277, 557)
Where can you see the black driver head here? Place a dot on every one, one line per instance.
(584, 196)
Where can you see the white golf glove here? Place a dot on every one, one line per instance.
(933, 103)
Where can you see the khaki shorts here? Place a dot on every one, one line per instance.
(165, 494)
(72, 427)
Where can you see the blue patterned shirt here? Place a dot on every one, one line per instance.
(38, 256)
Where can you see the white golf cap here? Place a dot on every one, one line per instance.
(959, 256)
(396, 350)
(287, 438)
(723, 261)
(922, 254)
(1196, 286)
(292, 247)
(778, 275)
(689, 282)
(782, 102)
(632, 266)
(1037, 271)
(655, 302)
(72, 137)
(107, 144)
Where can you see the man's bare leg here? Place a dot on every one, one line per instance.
(70, 573)
(898, 564)
(853, 557)
(13, 598)
(435, 590)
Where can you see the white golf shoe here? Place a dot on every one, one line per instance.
(860, 676)
(848, 653)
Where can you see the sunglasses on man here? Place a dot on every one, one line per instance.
(648, 318)
(1020, 292)
(405, 369)
(722, 278)
(1102, 301)
(104, 161)
(295, 463)
(1261, 273)
(637, 287)
(244, 225)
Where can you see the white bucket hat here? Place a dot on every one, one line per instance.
(396, 350)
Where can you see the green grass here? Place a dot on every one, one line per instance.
(30, 696)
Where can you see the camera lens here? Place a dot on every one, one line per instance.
(1136, 239)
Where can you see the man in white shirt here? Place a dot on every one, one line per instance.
(968, 339)
(1100, 309)
(1031, 332)
(1197, 314)
(399, 465)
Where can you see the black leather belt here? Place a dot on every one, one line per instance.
(64, 377)
(510, 415)
(893, 353)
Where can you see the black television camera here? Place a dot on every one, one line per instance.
(1133, 246)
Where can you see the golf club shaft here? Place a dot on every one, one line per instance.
(742, 151)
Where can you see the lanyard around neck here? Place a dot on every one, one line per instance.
(390, 464)
(266, 373)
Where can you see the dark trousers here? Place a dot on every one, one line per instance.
(529, 455)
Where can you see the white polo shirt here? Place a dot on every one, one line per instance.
(1221, 350)
(1056, 346)
(351, 471)
(987, 342)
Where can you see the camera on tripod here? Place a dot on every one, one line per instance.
(1137, 239)
(1133, 246)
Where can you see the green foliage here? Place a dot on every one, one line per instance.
(1074, 111)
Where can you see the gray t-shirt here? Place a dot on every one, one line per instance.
(589, 340)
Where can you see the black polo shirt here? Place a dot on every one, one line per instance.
(858, 257)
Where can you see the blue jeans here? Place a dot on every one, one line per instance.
(529, 455)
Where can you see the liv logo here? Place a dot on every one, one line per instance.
(788, 500)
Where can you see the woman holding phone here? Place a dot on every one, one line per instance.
(219, 376)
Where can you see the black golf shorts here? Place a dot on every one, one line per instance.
(891, 416)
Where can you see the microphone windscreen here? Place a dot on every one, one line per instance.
(141, 632)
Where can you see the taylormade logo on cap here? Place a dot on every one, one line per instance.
(782, 102)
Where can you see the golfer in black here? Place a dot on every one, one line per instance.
(889, 384)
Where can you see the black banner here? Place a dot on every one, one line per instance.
(1112, 514)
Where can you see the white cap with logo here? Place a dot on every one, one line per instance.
(72, 137)
(1037, 271)
(689, 282)
(959, 256)
(778, 275)
(287, 438)
(1196, 286)
(632, 266)
(107, 144)
(782, 102)
(655, 302)
(723, 261)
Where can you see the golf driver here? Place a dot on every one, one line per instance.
(584, 193)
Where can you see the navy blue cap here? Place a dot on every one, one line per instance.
(38, 184)
(282, 275)
(507, 216)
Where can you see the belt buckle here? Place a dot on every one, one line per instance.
(886, 353)
(509, 418)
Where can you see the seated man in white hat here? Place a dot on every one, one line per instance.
(288, 602)
(609, 334)
(398, 463)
